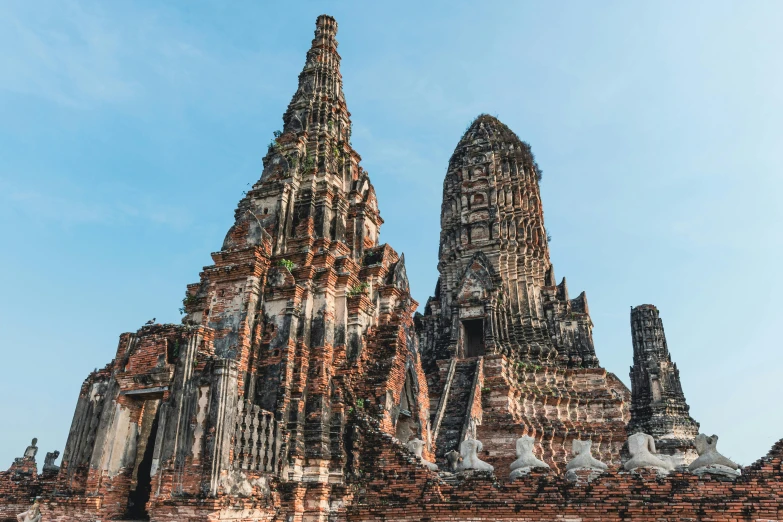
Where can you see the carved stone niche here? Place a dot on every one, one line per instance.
(478, 200)
(479, 232)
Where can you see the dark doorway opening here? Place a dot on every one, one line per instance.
(473, 337)
(138, 498)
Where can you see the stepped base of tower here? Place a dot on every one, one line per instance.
(497, 399)
(554, 406)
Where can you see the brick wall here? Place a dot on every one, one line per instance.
(399, 490)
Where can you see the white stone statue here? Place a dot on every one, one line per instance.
(525, 458)
(643, 454)
(31, 450)
(583, 460)
(416, 446)
(582, 457)
(49, 461)
(710, 461)
(469, 449)
(31, 515)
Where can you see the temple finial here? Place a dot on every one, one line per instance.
(319, 103)
(325, 27)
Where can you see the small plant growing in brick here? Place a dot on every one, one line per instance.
(358, 289)
(539, 172)
(360, 403)
(292, 160)
(187, 301)
(371, 257)
(287, 264)
(308, 164)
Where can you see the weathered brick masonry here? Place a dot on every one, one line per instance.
(499, 319)
(658, 406)
(299, 371)
(398, 490)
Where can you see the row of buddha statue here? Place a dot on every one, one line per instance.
(641, 448)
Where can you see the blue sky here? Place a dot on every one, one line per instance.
(128, 131)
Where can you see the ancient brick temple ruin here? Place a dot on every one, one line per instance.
(301, 388)
(506, 351)
(658, 406)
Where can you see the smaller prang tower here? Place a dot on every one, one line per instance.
(658, 405)
(507, 352)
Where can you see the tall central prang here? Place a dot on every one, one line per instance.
(303, 323)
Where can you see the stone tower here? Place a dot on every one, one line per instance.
(303, 322)
(658, 405)
(321, 314)
(499, 318)
(294, 381)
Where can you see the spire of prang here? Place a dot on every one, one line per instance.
(313, 188)
(318, 106)
(658, 405)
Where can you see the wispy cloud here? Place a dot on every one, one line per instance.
(397, 157)
(44, 207)
(72, 210)
(82, 55)
(70, 62)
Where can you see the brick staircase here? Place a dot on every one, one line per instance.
(449, 432)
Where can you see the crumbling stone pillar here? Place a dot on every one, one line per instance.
(222, 420)
(658, 405)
